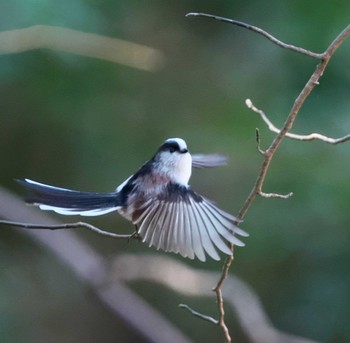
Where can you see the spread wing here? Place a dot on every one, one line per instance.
(181, 221)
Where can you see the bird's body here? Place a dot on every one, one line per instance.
(158, 200)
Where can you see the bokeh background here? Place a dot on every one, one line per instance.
(86, 123)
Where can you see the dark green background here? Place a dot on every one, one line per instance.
(88, 124)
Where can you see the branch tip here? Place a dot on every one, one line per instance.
(199, 315)
(192, 14)
(248, 103)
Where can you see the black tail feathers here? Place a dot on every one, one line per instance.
(64, 200)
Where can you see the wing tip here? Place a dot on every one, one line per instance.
(240, 232)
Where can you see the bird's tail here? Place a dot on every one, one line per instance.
(69, 202)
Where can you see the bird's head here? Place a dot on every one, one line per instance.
(174, 160)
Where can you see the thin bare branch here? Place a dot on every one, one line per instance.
(199, 315)
(261, 32)
(68, 226)
(310, 137)
(219, 297)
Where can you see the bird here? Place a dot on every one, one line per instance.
(158, 200)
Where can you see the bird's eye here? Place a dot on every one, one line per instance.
(172, 150)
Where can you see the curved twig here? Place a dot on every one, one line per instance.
(305, 138)
(199, 315)
(260, 31)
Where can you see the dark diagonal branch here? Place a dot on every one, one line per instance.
(310, 85)
(270, 152)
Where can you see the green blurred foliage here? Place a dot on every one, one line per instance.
(87, 124)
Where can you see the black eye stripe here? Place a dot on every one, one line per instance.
(170, 146)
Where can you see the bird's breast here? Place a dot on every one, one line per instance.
(182, 170)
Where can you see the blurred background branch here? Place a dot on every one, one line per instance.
(81, 43)
(198, 283)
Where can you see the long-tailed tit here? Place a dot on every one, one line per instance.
(167, 213)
